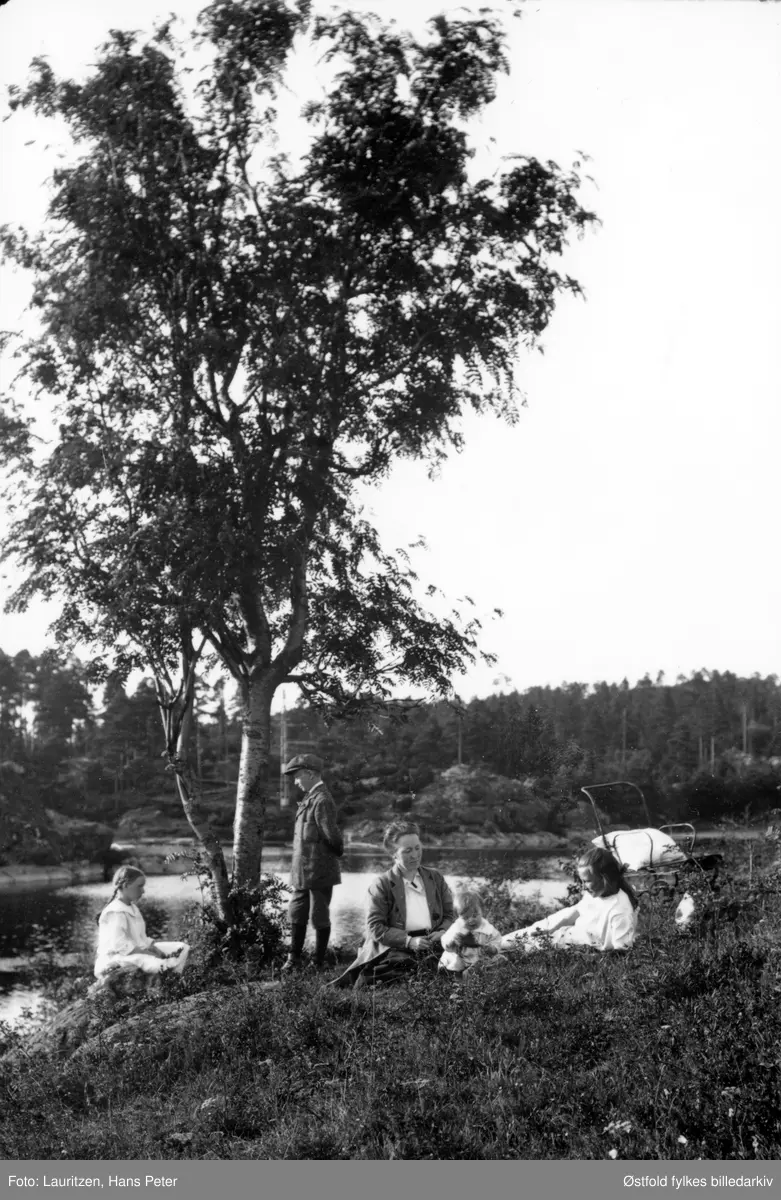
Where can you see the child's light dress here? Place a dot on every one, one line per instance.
(121, 929)
(463, 947)
(603, 922)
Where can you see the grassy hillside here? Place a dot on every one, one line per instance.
(668, 1052)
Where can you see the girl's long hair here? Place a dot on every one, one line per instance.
(124, 875)
(608, 868)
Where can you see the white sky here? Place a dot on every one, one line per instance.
(629, 522)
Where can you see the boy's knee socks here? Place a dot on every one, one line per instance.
(321, 944)
(297, 939)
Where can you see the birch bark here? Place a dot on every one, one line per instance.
(253, 785)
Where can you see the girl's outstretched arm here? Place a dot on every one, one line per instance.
(556, 920)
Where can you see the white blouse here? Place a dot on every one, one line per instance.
(121, 930)
(418, 915)
(606, 922)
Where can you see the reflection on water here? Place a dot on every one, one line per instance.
(64, 918)
(17, 1003)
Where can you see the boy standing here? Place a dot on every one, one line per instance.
(317, 848)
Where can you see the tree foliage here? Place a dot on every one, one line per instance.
(702, 747)
(234, 339)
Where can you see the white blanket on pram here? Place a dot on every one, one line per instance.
(639, 848)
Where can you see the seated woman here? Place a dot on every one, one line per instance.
(605, 918)
(122, 941)
(409, 908)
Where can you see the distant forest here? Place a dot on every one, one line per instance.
(707, 746)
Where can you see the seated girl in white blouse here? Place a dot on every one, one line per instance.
(122, 941)
(605, 919)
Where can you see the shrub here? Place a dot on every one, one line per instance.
(257, 932)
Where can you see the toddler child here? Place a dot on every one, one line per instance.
(470, 938)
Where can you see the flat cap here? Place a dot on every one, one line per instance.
(304, 762)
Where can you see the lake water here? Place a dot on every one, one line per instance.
(65, 916)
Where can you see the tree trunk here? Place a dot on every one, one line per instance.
(253, 786)
(209, 843)
(176, 706)
(190, 794)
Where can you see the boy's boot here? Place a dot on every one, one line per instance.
(321, 945)
(297, 937)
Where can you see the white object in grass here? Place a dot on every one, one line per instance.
(685, 913)
(639, 848)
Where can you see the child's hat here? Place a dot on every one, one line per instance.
(304, 762)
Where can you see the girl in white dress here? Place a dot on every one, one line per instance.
(605, 918)
(470, 938)
(122, 941)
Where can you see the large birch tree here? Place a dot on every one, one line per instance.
(233, 340)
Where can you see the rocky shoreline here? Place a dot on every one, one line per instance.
(28, 875)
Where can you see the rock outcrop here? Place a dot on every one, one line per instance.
(483, 802)
(155, 1030)
(80, 1029)
(149, 822)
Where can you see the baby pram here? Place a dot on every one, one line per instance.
(656, 858)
